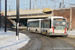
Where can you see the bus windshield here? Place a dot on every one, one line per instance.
(59, 24)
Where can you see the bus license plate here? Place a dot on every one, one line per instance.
(63, 30)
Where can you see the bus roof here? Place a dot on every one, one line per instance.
(34, 19)
(55, 17)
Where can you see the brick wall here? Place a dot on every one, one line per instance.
(9, 24)
(66, 13)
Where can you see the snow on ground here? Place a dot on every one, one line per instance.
(71, 32)
(8, 40)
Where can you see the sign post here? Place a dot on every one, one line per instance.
(17, 19)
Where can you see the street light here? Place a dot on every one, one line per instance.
(5, 14)
(0, 13)
(30, 4)
(17, 19)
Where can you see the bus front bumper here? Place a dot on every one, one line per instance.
(57, 34)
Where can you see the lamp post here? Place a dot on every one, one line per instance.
(0, 20)
(0, 14)
(5, 14)
(63, 3)
(70, 18)
(17, 19)
(35, 3)
(30, 4)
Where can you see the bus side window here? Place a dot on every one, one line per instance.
(42, 24)
(50, 23)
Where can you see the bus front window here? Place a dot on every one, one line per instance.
(59, 24)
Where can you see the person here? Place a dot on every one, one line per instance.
(20, 24)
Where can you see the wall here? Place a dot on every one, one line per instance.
(66, 13)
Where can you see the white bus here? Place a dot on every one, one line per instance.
(55, 25)
(34, 25)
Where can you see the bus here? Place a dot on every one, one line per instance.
(34, 25)
(53, 26)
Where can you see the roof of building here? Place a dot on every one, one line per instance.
(34, 19)
(55, 17)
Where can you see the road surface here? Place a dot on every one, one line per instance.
(42, 42)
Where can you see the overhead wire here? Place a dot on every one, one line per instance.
(41, 4)
(59, 1)
(9, 1)
(27, 3)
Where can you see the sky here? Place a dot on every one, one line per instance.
(24, 4)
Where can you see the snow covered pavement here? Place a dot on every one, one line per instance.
(71, 32)
(8, 40)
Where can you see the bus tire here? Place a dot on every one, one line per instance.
(42, 32)
(36, 31)
(46, 33)
(29, 30)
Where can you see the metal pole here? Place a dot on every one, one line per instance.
(70, 18)
(5, 14)
(35, 3)
(9, 8)
(52, 12)
(17, 19)
(63, 3)
(54, 5)
(30, 4)
(0, 20)
(0, 13)
(60, 5)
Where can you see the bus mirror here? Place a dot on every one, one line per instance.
(54, 27)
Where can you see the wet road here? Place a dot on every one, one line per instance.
(41, 42)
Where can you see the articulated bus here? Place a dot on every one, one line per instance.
(34, 25)
(52, 26)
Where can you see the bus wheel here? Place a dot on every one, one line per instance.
(47, 35)
(29, 30)
(41, 32)
(36, 31)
